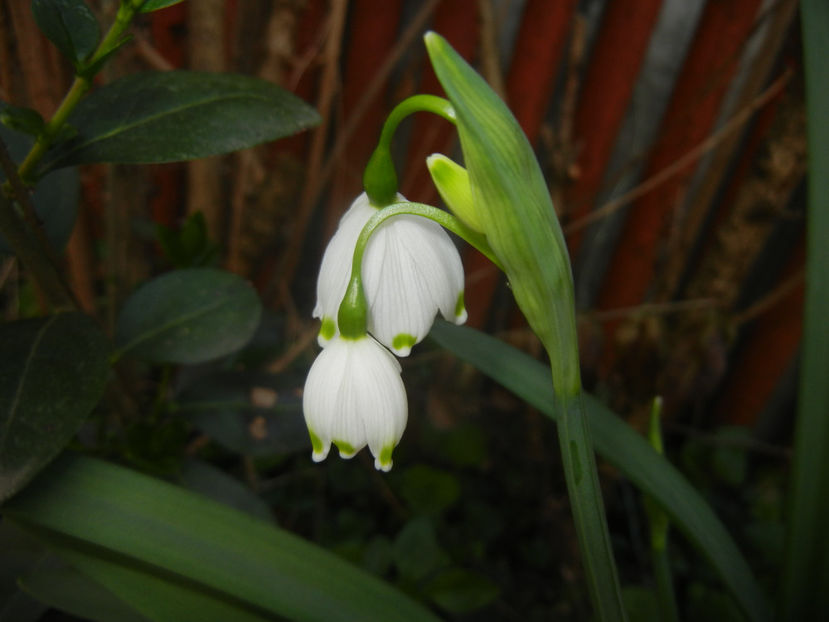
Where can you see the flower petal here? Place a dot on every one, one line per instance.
(354, 396)
(335, 269)
(411, 270)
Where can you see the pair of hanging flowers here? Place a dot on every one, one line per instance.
(354, 395)
(391, 267)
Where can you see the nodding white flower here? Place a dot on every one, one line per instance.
(354, 397)
(411, 270)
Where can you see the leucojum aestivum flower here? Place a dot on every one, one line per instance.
(390, 268)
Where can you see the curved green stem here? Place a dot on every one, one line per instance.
(441, 217)
(352, 314)
(380, 177)
(81, 84)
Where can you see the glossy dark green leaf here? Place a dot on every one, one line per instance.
(623, 447)
(20, 119)
(55, 197)
(52, 374)
(155, 5)
(178, 115)
(149, 530)
(70, 25)
(188, 316)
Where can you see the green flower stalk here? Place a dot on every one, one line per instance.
(513, 210)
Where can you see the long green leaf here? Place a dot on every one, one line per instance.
(203, 542)
(178, 115)
(63, 587)
(805, 585)
(52, 373)
(620, 445)
(143, 592)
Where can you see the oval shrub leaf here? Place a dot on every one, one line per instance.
(178, 115)
(188, 316)
(52, 374)
(70, 25)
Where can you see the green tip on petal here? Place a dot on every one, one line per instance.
(320, 451)
(402, 343)
(460, 310)
(347, 450)
(328, 328)
(452, 182)
(383, 461)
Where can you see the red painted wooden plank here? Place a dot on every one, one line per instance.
(536, 58)
(615, 61)
(168, 28)
(745, 160)
(702, 83)
(303, 80)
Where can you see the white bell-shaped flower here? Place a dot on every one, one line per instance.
(411, 270)
(354, 397)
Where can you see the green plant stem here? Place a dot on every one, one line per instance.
(665, 596)
(582, 478)
(380, 177)
(659, 525)
(81, 84)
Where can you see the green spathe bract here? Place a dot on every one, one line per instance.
(513, 208)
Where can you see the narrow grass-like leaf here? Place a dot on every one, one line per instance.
(513, 207)
(620, 445)
(21, 555)
(188, 316)
(65, 588)
(178, 115)
(805, 585)
(52, 373)
(144, 592)
(202, 542)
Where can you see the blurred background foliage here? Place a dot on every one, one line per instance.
(672, 133)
